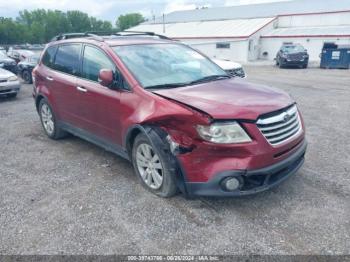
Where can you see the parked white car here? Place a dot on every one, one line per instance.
(9, 83)
(19, 54)
(232, 68)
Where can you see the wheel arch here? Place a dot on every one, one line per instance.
(38, 98)
(130, 136)
(157, 137)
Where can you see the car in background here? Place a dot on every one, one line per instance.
(36, 47)
(7, 63)
(230, 67)
(292, 55)
(9, 83)
(26, 66)
(19, 54)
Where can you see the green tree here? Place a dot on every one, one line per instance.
(129, 20)
(78, 21)
(40, 25)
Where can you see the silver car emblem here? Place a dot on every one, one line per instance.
(286, 117)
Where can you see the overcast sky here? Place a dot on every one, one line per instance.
(111, 9)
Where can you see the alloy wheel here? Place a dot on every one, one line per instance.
(47, 119)
(149, 166)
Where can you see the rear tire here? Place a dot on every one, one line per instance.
(48, 121)
(153, 167)
(26, 76)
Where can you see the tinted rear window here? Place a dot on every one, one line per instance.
(293, 48)
(49, 56)
(67, 59)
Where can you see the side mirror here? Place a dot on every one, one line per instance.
(106, 77)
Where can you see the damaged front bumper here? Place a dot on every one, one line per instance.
(251, 181)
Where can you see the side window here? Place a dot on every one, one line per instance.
(67, 59)
(93, 61)
(49, 56)
(223, 45)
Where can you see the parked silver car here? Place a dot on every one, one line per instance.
(9, 83)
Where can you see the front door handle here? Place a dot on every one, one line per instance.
(49, 78)
(81, 89)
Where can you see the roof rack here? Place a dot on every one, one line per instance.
(98, 35)
(137, 33)
(101, 33)
(77, 35)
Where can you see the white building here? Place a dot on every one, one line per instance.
(251, 32)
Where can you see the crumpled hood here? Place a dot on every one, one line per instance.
(230, 98)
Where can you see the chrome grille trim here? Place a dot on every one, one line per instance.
(276, 133)
(277, 118)
(277, 129)
(279, 125)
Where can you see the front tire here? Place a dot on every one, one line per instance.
(153, 168)
(48, 121)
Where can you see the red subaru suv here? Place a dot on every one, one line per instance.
(178, 117)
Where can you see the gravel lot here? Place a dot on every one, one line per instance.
(71, 197)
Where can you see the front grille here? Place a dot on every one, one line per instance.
(3, 80)
(280, 126)
(5, 91)
(236, 72)
(295, 57)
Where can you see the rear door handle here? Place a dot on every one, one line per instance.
(81, 89)
(49, 78)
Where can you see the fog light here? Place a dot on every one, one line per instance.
(231, 184)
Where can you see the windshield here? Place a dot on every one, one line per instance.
(293, 49)
(156, 65)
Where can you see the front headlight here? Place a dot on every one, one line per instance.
(12, 78)
(223, 133)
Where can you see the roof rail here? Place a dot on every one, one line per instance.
(76, 35)
(136, 33)
(98, 35)
(102, 33)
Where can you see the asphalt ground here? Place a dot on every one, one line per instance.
(71, 197)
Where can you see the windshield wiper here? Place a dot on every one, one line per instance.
(209, 79)
(166, 86)
(201, 80)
